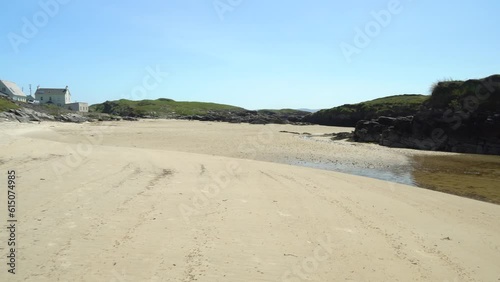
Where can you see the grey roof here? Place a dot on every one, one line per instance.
(51, 91)
(13, 88)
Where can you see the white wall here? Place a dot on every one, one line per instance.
(59, 100)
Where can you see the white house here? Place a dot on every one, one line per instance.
(78, 107)
(55, 96)
(12, 90)
(60, 97)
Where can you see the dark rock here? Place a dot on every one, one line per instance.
(259, 120)
(386, 120)
(368, 131)
(75, 118)
(403, 124)
(252, 117)
(446, 122)
(350, 114)
(25, 115)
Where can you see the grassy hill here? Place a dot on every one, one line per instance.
(350, 114)
(160, 108)
(168, 108)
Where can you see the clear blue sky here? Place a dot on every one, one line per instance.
(254, 54)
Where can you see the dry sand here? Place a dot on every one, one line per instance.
(194, 201)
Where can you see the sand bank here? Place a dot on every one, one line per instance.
(186, 201)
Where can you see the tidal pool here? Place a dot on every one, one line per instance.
(398, 174)
(471, 176)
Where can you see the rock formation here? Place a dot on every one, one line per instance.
(459, 117)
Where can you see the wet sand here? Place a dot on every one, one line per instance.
(467, 175)
(472, 176)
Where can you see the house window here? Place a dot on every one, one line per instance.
(41, 98)
(3, 89)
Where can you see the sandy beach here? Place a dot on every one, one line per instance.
(200, 201)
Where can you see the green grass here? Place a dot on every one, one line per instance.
(6, 104)
(53, 109)
(407, 99)
(394, 105)
(160, 108)
(452, 94)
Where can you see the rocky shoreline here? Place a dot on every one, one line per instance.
(409, 132)
(461, 117)
(24, 115)
(252, 117)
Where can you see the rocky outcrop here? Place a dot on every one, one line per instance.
(75, 118)
(368, 131)
(415, 133)
(28, 115)
(25, 115)
(459, 117)
(387, 131)
(350, 114)
(252, 117)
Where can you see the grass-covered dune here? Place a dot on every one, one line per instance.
(350, 114)
(160, 108)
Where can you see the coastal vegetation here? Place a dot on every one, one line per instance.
(168, 108)
(480, 94)
(350, 114)
(160, 108)
(7, 104)
(459, 116)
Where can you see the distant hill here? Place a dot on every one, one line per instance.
(168, 108)
(350, 114)
(160, 108)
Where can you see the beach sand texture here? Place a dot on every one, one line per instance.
(198, 201)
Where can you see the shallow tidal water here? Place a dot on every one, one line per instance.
(466, 175)
(400, 174)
